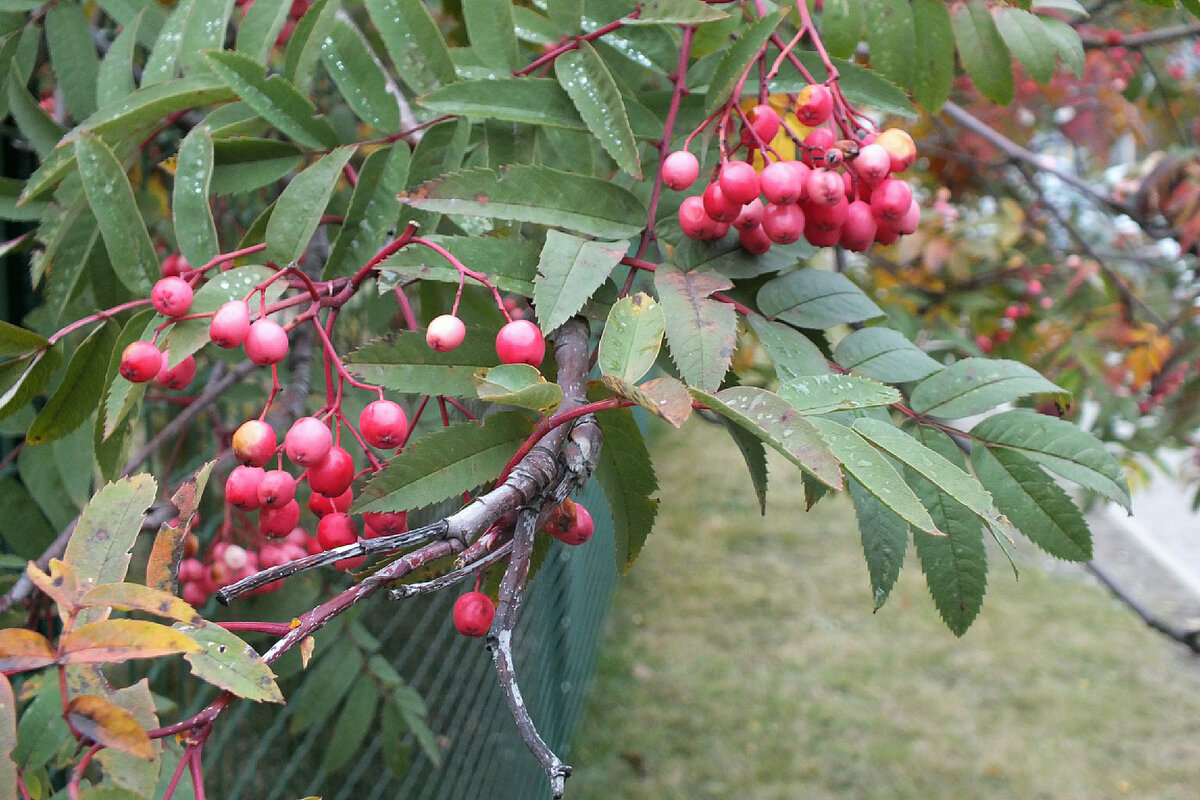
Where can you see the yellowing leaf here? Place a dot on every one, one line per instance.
(60, 585)
(116, 640)
(109, 725)
(135, 597)
(22, 649)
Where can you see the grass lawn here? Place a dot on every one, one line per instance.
(743, 661)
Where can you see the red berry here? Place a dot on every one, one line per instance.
(765, 122)
(822, 233)
(174, 264)
(277, 488)
(816, 143)
(320, 505)
(1034, 286)
(190, 569)
(473, 614)
(581, 528)
(230, 324)
(241, 487)
(178, 376)
(828, 217)
(890, 200)
(783, 224)
(333, 475)
(783, 182)
(695, 222)
(911, 218)
(254, 443)
(901, 149)
(266, 342)
(739, 182)
(171, 296)
(858, 230)
(521, 342)
(885, 233)
(717, 206)
(824, 187)
(754, 241)
(679, 170)
(347, 564)
(445, 333)
(386, 523)
(383, 424)
(814, 104)
(235, 557)
(193, 594)
(750, 216)
(279, 522)
(140, 362)
(307, 442)
(336, 530)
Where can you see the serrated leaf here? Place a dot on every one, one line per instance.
(113, 641)
(678, 12)
(973, 385)
(728, 257)
(193, 27)
(195, 231)
(445, 463)
(934, 59)
(225, 661)
(701, 332)
(373, 211)
(16, 341)
(348, 59)
(79, 391)
(583, 75)
(510, 264)
(1027, 41)
(823, 394)
(842, 26)
(531, 193)
(108, 724)
(299, 208)
(490, 29)
(1061, 447)
(135, 597)
(1193, 6)
(38, 127)
(22, 649)
(982, 50)
(955, 565)
(814, 298)
(632, 337)
(876, 474)
(188, 336)
(884, 354)
(261, 26)
(754, 453)
(414, 42)
(884, 538)
(101, 544)
(162, 567)
(1066, 42)
(927, 463)
(530, 101)
(738, 59)
(793, 354)
(69, 39)
(275, 99)
(570, 270)
(892, 38)
(355, 721)
(115, 78)
(405, 363)
(519, 385)
(770, 418)
(626, 474)
(121, 224)
(303, 48)
(1038, 506)
(241, 164)
(664, 397)
(131, 777)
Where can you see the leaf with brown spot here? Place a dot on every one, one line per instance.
(60, 585)
(109, 725)
(22, 649)
(135, 597)
(162, 570)
(117, 640)
(126, 771)
(227, 662)
(664, 397)
(701, 332)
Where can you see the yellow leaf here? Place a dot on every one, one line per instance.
(135, 597)
(109, 725)
(116, 640)
(60, 585)
(22, 649)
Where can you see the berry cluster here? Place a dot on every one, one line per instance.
(839, 192)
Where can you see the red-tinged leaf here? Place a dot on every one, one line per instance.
(163, 565)
(701, 332)
(8, 738)
(228, 663)
(135, 597)
(102, 542)
(22, 649)
(108, 724)
(664, 397)
(60, 585)
(117, 640)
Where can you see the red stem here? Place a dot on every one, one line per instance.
(550, 423)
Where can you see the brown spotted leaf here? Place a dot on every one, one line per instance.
(135, 597)
(228, 663)
(60, 585)
(108, 724)
(126, 771)
(116, 640)
(664, 397)
(162, 570)
(22, 649)
(701, 332)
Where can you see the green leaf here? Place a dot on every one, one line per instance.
(126, 11)
(227, 662)
(188, 336)
(884, 538)
(42, 731)
(445, 463)
(510, 264)
(754, 452)
(533, 101)
(794, 355)
(814, 298)
(823, 394)
(566, 14)
(69, 38)
(955, 565)
(1066, 42)
(530, 193)
(632, 337)
(132, 777)
(728, 257)
(1028, 41)
(973, 385)
(373, 211)
(121, 396)
(738, 59)
(21, 379)
(114, 81)
(934, 59)
(325, 684)
(626, 474)
(299, 208)
(15, 341)
(353, 724)
(405, 363)
(193, 27)
(770, 418)
(665, 397)
(414, 43)
(23, 526)
(121, 224)
(101, 544)
(360, 78)
(80, 390)
(676, 12)
(570, 270)
(10, 191)
(586, 79)
(243, 164)
(261, 27)
(1067, 6)
(1193, 6)
(520, 385)
(8, 734)
(702, 332)
(842, 26)
(892, 38)
(275, 99)
(1060, 446)
(927, 463)
(490, 29)
(38, 127)
(982, 50)
(195, 231)
(875, 472)
(304, 45)
(884, 354)
(1033, 502)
